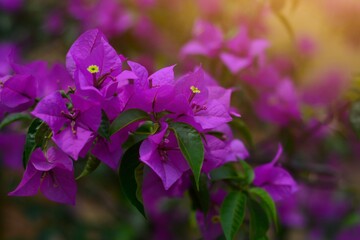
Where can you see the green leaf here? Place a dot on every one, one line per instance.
(128, 176)
(126, 118)
(146, 129)
(13, 118)
(248, 172)
(139, 177)
(226, 171)
(38, 135)
(30, 143)
(42, 135)
(354, 117)
(240, 126)
(201, 198)
(162, 114)
(259, 223)
(232, 213)
(191, 146)
(104, 128)
(266, 202)
(243, 176)
(92, 163)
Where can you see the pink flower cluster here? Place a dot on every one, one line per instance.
(74, 104)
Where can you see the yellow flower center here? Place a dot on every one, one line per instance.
(93, 69)
(194, 89)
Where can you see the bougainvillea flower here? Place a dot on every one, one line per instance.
(207, 111)
(218, 152)
(91, 60)
(236, 53)
(162, 77)
(60, 79)
(95, 70)
(215, 153)
(109, 151)
(237, 150)
(17, 93)
(222, 148)
(77, 125)
(275, 180)
(156, 100)
(280, 106)
(207, 40)
(52, 172)
(75, 144)
(318, 94)
(188, 99)
(263, 79)
(39, 70)
(48, 80)
(155, 93)
(112, 98)
(242, 51)
(51, 109)
(162, 154)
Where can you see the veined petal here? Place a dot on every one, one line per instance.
(163, 76)
(215, 115)
(82, 47)
(59, 185)
(39, 161)
(29, 184)
(142, 74)
(59, 158)
(170, 168)
(90, 112)
(19, 91)
(275, 180)
(237, 151)
(109, 152)
(49, 110)
(72, 144)
(124, 76)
